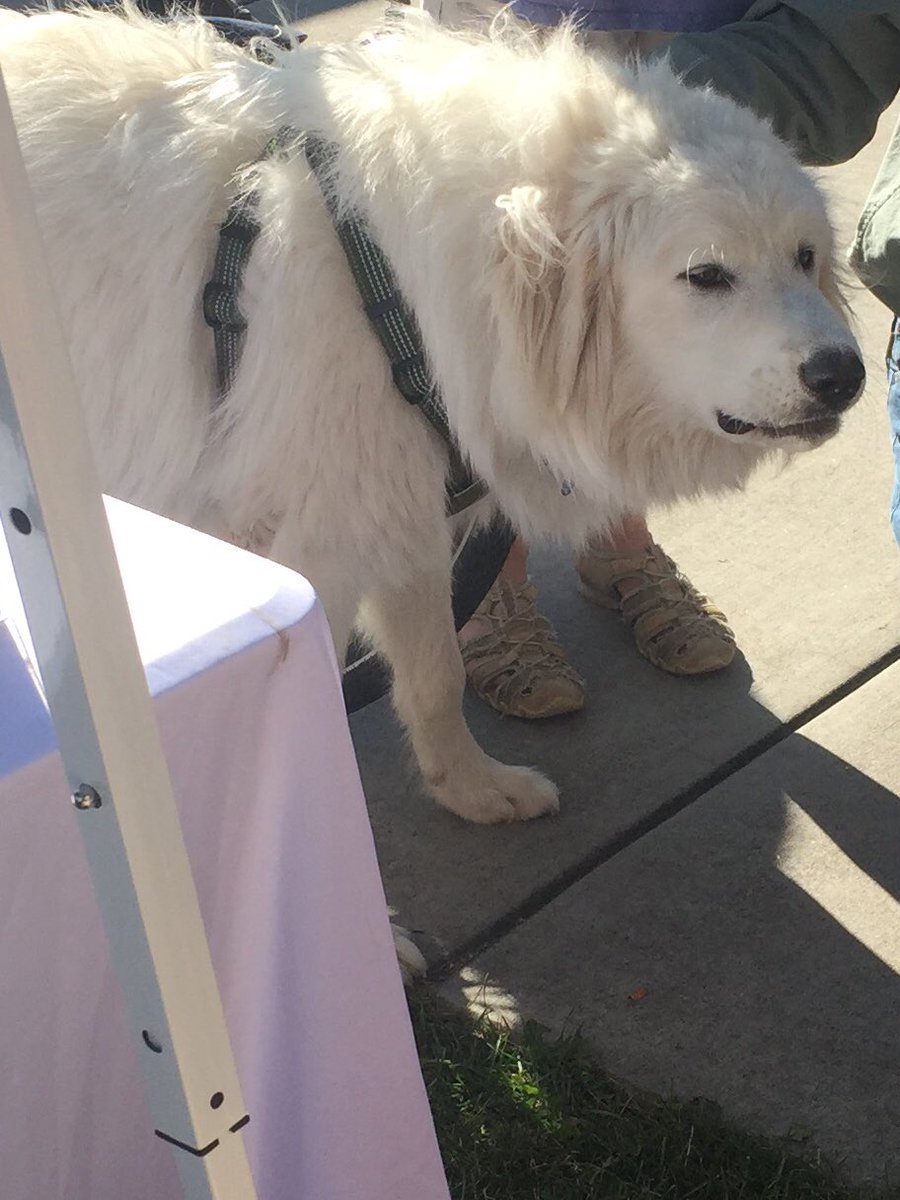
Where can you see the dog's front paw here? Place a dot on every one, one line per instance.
(496, 793)
(409, 957)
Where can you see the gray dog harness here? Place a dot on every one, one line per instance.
(388, 314)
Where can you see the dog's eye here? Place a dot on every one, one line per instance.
(709, 277)
(806, 258)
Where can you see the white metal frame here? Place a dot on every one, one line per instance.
(53, 518)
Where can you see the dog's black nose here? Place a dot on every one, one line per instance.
(834, 377)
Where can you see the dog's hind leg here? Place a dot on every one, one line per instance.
(413, 626)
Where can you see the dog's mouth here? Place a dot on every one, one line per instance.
(813, 429)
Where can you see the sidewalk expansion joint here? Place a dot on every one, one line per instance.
(447, 964)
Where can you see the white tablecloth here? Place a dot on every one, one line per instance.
(248, 701)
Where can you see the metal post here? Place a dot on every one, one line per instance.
(435, 8)
(53, 518)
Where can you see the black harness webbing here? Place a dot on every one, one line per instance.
(220, 308)
(384, 305)
(237, 234)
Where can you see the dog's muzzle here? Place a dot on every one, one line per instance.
(834, 378)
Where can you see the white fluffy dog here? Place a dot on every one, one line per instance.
(621, 283)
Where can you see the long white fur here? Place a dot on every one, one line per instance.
(537, 206)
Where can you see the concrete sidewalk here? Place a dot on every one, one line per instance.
(728, 847)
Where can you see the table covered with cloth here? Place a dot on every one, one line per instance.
(247, 696)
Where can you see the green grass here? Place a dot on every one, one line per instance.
(529, 1117)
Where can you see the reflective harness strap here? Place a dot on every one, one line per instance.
(220, 307)
(393, 323)
(237, 235)
(391, 320)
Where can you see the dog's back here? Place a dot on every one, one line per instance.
(137, 134)
(132, 130)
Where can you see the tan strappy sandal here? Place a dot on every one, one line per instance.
(519, 668)
(674, 626)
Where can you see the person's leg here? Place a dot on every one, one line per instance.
(675, 627)
(894, 412)
(511, 654)
(514, 661)
(893, 365)
(515, 572)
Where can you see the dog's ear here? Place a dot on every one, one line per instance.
(553, 298)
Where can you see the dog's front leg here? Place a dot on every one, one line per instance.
(413, 626)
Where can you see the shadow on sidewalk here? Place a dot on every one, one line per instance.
(762, 919)
(761, 929)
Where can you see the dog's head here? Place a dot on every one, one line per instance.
(734, 253)
(675, 284)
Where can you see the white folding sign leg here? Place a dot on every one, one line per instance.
(59, 540)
